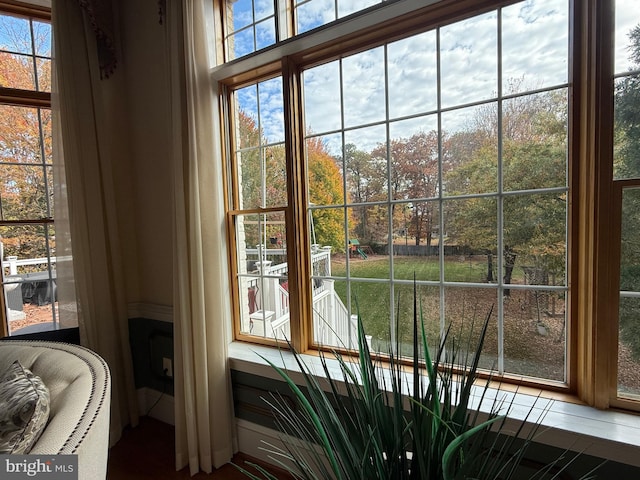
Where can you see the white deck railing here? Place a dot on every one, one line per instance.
(333, 326)
(11, 263)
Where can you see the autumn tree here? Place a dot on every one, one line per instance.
(264, 184)
(366, 180)
(26, 179)
(325, 188)
(533, 156)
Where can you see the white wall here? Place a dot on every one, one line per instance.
(147, 95)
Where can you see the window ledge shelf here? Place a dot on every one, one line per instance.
(607, 434)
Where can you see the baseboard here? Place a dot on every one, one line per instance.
(253, 437)
(254, 440)
(157, 405)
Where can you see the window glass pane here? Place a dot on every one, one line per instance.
(368, 231)
(265, 33)
(239, 14)
(412, 71)
(16, 71)
(241, 43)
(324, 173)
(629, 320)
(313, 13)
(414, 165)
(372, 301)
(471, 240)
(469, 61)
(24, 193)
(534, 331)
(347, 7)
(263, 9)
(20, 134)
(15, 35)
(470, 149)
(327, 229)
(626, 161)
(534, 141)
(465, 311)
(260, 153)
(263, 275)
(24, 196)
(415, 247)
(627, 90)
(627, 35)
(323, 112)
(18, 61)
(250, 25)
(543, 26)
(366, 162)
(29, 284)
(247, 127)
(43, 68)
(363, 83)
(271, 113)
(42, 39)
(535, 237)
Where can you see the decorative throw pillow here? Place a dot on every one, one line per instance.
(24, 409)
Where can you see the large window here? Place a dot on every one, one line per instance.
(449, 147)
(27, 233)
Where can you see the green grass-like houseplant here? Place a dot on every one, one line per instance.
(392, 421)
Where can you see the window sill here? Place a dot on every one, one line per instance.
(609, 434)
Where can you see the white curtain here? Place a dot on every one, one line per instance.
(204, 412)
(94, 143)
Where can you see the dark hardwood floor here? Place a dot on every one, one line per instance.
(147, 452)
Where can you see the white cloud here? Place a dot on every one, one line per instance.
(322, 98)
(469, 60)
(271, 110)
(535, 43)
(364, 87)
(412, 72)
(265, 33)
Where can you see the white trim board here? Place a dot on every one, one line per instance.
(158, 405)
(151, 311)
(606, 434)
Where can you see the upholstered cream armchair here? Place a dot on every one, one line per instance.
(79, 391)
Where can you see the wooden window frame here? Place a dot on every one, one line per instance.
(593, 265)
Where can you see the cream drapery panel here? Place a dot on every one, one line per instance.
(203, 405)
(94, 144)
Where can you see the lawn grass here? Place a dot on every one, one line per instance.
(372, 299)
(527, 352)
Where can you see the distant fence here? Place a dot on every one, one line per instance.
(426, 250)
